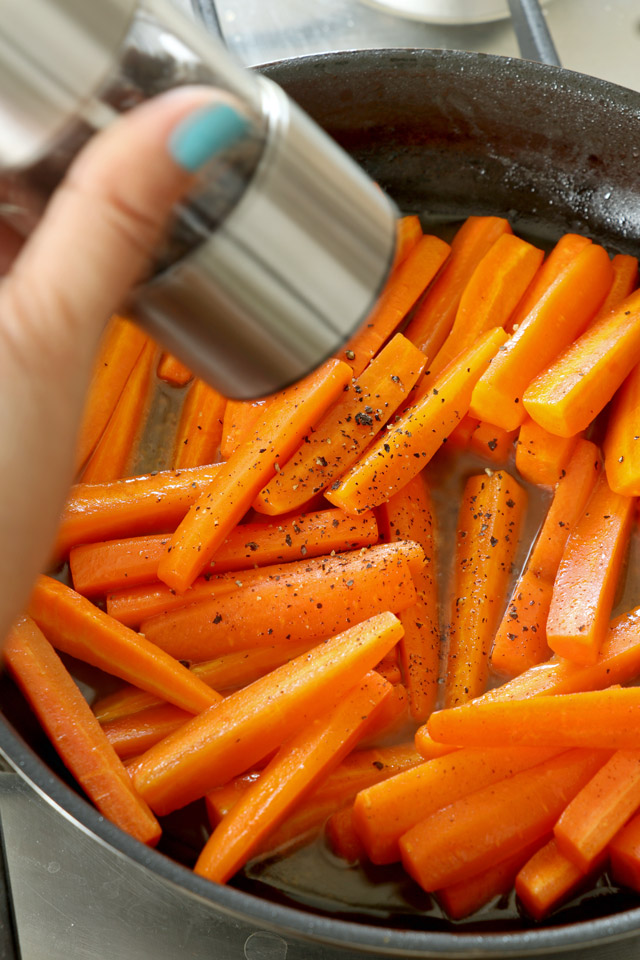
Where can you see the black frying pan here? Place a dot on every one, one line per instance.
(449, 134)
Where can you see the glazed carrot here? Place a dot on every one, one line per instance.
(521, 639)
(460, 439)
(407, 282)
(342, 838)
(408, 233)
(571, 720)
(434, 317)
(488, 530)
(405, 448)
(491, 295)
(121, 345)
(546, 880)
(385, 811)
(600, 810)
(491, 442)
(389, 669)
(173, 371)
(236, 733)
(351, 424)
(239, 420)
(542, 457)
(625, 280)
(624, 851)
(496, 822)
(130, 736)
(200, 428)
(409, 515)
(566, 396)
(132, 506)
(73, 730)
(587, 578)
(391, 722)
(622, 439)
(293, 772)
(575, 295)
(133, 605)
(114, 450)
(72, 624)
(222, 506)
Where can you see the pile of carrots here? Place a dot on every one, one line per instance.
(293, 646)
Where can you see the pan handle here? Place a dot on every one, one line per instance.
(532, 32)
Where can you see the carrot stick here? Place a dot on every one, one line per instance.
(587, 578)
(488, 530)
(624, 851)
(293, 772)
(405, 448)
(222, 506)
(405, 285)
(172, 371)
(409, 514)
(542, 457)
(496, 822)
(347, 428)
(236, 733)
(625, 280)
(200, 428)
(408, 233)
(575, 295)
(115, 448)
(342, 838)
(385, 811)
(460, 439)
(494, 289)
(566, 396)
(521, 639)
(491, 442)
(601, 808)
(547, 879)
(434, 317)
(130, 736)
(134, 605)
(622, 439)
(72, 624)
(571, 720)
(239, 421)
(132, 506)
(121, 345)
(76, 735)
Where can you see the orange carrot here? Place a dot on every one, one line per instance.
(292, 773)
(496, 822)
(542, 457)
(346, 430)
(343, 839)
(491, 295)
(565, 397)
(622, 439)
(73, 730)
(404, 287)
(115, 448)
(600, 810)
(491, 442)
(130, 736)
(408, 233)
(200, 428)
(409, 514)
(239, 420)
(236, 733)
(624, 851)
(72, 624)
(434, 317)
(547, 879)
(521, 639)
(587, 578)
(460, 439)
(173, 371)
(489, 525)
(134, 605)
(575, 295)
(239, 479)
(625, 280)
(121, 345)
(409, 444)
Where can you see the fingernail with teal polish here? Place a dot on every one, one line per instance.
(205, 133)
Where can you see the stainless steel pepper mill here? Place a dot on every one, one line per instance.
(277, 254)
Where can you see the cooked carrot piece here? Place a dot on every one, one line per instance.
(491, 442)
(346, 429)
(76, 735)
(200, 428)
(130, 736)
(133, 605)
(221, 507)
(542, 457)
(548, 879)
(405, 448)
(173, 371)
(625, 280)
(293, 772)
(575, 295)
(494, 289)
(239, 420)
(488, 530)
(566, 396)
(624, 851)
(622, 439)
(434, 317)
(389, 669)
(403, 289)
(587, 578)
(600, 810)
(72, 624)
(121, 345)
(521, 639)
(236, 733)
(391, 722)
(460, 439)
(496, 822)
(343, 839)
(114, 450)
(408, 233)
